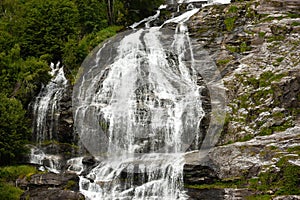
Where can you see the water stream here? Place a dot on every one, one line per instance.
(46, 118)
(46, 105)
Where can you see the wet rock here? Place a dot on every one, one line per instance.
(89, 160)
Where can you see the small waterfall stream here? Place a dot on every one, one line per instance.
(45, 113)
(46, 105)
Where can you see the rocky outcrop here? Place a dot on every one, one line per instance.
(255, 45)
(243, 159)
(50, 186)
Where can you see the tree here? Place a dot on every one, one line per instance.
(21, 78)
(46, 25)
(92, 15)
(136, 10)
(13, 130)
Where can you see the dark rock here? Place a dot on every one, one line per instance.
(51, 194)
(89, 160)
(197, 174)
(65, 127)
(205, 194)
(51, 186)
(52, 180)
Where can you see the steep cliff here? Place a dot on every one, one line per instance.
(255, 45)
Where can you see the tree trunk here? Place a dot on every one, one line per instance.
(110, 11)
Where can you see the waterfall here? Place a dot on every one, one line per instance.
(46, 105)
(138, 109)
(45, 118)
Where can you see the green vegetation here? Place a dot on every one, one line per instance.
(259, 197)
(295, 24)
(229, 23)
(8, 191)
(232, 49)
(13, 129)
(11, 173)
(295, 149)
(276, 38)
(70, 184)
(261, 34)
(236, 182)
(223, 62)
(284, 182)
(8, 176)
(243, 47)
(233, 9)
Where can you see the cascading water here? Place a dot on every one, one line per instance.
(137, 109)
(45, 120)
(148, 104)
(46, 105)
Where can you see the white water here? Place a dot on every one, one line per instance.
(46, 118)
(46, 105)
(37, 156)
(150, 104)
(138, 111)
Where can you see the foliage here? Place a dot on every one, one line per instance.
(11, 173)
(8, 191)
(13, 130)
(8, 175)
(259, 197)
(135, 10)
(234, 183)
(229, 23)
(47, 25)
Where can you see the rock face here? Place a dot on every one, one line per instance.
(255, 45)
(51, 186)
(65, 127)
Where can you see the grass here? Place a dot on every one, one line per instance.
(234, 183)
(233, 9)
(223, 62)
(229, 23)
(8, 176)
(276, 38)
(9, 192)
(11, 173)
(259, 197)
(284, 182)
(295, 24)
